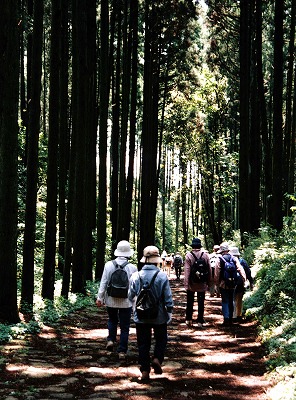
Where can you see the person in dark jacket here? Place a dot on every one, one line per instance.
(144, 328)
(199, 288)
(177, 265)
(240, 287)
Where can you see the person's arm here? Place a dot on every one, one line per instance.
(186, 272)
(207, 258)
(168, 297)
(102, 287)
(248, 272)
(217, 271)
(133, 286)
(240, 269)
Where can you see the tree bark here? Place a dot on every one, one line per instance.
(9, 86)
(32, 161)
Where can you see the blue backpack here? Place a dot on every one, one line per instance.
(229, 271)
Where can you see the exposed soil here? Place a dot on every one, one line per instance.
(69, 361)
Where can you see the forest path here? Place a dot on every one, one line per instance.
(69, 361)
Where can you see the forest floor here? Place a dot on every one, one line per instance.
(69, 361)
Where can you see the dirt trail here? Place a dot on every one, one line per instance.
(69, 361)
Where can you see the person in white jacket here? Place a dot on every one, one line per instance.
(119, 309)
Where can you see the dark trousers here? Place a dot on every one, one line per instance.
(144, 339)
(178, 272)
(123, 316)
(200, 305)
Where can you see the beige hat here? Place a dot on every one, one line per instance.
(151, 255)
(223, 247)
(123, 249)
(235, 251)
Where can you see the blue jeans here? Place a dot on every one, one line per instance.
(123, 316)
(144, 338)
(200, 305)
(227, 296)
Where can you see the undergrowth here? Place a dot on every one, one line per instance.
(46, 312)
(273, 304)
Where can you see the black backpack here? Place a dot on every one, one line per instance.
(119, 281)
(230, 274)
(147, 305)
(199, 271)
(177, 261)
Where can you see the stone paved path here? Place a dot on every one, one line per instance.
(69, 361)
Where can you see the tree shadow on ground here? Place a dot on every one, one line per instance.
(69, 361)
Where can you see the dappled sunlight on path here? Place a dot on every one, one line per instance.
(69, 361)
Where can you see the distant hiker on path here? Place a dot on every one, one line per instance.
(163, 297)
(113, 292)
(196, 280)
(214, 289)
(177, 265)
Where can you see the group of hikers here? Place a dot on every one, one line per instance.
(147, 295)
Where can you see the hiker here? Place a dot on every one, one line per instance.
(198, 286)
(227, 280)
(163, 256)
(163, 295)
(240, 287)
(214, 289)
(119, 309)
(177, 265)
(168, 263)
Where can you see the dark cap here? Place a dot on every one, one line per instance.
(196, 243)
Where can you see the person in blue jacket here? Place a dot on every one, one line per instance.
(240, 287)
(144, 328)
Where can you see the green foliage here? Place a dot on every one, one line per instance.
(273, 304)
(48, 312)
(9, 332)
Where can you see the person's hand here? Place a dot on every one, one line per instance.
(99, 303)
(169, 318)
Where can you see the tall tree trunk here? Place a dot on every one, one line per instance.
(184, 213)
(83, 130)
(32, 161)
(103, 115)
(91, 138)
(244, 178)
(255, 134)
(149, 183)
(289, 143)
(9, 86)
(52, 161)
(64, 142)
(115, 139)
(276, 216)
(133, 115)
(266, 148)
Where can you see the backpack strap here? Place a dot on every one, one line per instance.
(195, 255)
(152, 280)
(120, 266)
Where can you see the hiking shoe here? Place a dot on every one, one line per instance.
(121, 356)
(110, 345)
(199, 325)
(145, 376)
(188, 323)
(156, 366)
